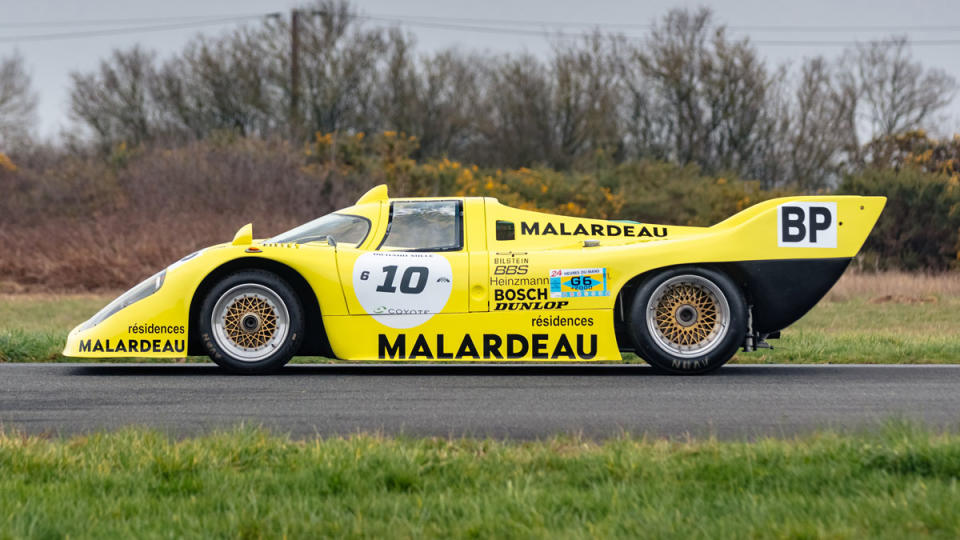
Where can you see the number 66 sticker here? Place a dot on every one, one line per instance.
(401, 289)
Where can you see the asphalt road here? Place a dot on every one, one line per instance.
(531, 401)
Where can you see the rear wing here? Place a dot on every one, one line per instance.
(804, 227)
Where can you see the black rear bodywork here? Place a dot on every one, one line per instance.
(783, 291)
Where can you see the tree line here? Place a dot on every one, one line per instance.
(687, 93)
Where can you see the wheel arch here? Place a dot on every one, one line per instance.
(624, 299)
(315, 344)
(778, 292)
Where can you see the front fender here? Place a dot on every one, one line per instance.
(156, 326)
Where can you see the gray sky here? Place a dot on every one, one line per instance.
(50, 62)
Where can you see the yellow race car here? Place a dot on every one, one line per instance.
(469, 279)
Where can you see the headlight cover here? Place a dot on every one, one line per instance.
(141, 291)
(185, 259)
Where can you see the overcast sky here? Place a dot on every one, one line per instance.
(51, 61)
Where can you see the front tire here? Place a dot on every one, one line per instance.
(688, 320)
(251, 322)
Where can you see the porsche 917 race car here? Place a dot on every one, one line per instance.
(469, 279)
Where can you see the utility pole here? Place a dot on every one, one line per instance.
(295, 72)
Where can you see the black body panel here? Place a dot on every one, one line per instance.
(783, 291)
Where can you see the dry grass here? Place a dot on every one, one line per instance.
(895, 287)
(83, 224)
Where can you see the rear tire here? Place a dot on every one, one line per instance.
(688, 320)
(251, 322)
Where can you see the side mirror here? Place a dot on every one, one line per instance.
(324, 240)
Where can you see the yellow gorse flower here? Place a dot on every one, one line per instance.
(6, 163)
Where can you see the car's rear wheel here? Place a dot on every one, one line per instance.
(688, 320)
(251, 322)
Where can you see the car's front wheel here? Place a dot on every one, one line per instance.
(688, 320)
(251, 322)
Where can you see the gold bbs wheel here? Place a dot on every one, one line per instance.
(688, 316)
(250, 322)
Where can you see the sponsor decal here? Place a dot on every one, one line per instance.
(157, 329)
(519, 282)
(134, 346)
(510, 270)
(578, 282)
(510, 264)
(561, 321)
(488, 346)
(595, 229)
(529, 298)
(807, 224)
(402, 289)
(533, 293)
(526, 306)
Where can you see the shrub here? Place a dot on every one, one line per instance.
(919, 226)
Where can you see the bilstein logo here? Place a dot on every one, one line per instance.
(595, 229)
(536, 346)
(134, 346)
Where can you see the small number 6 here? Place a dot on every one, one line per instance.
(365, 275)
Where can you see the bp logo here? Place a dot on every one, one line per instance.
(807, 224)
(400, 289)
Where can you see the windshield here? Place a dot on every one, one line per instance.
(343, 228)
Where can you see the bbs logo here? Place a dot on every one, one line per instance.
(807, 224)
(510, 270)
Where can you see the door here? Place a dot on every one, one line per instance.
(418, 269)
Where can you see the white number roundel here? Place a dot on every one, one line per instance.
(402, 289)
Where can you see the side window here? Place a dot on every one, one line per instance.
(424, 226)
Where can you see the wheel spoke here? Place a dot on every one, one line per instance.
(689, 314)
(250, 321)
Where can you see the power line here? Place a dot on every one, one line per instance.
(489, 26)
(105, 22)
(507, 22)
(502, 22)
(839, 43)
(647, 26)
(125, 30)
(578, 35)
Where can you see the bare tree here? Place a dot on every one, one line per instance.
(398, 98)
(710, 97)
(115, 102)
(340, 63)
(516, 124)
(450, 100)
(820, 128)
(18, 102)
(898, 93)
(689, 93)
(221, 84)
(586, 95)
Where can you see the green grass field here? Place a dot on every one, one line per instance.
(892, 318)
(900, 481)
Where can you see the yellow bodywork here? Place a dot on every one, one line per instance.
(501, 304)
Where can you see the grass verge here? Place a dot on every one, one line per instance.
(892, 318)
(900, 481)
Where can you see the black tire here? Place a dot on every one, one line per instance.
(690, 320)
(267, 294)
